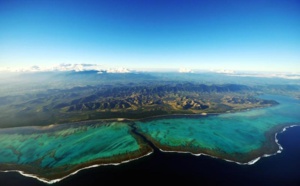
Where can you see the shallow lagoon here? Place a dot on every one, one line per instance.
(240, 137)
(54, 152)
(58, 150)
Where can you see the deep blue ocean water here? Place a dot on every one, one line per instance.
(169, 168)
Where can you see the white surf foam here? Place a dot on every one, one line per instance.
(48, 181)
(126, 161)
(240, 163)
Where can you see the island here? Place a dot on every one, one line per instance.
(54, 133)
(131, 101)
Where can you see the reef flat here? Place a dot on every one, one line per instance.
(240, 137)
(54, 152)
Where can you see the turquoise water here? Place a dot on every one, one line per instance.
(58, 149)
(230, 133)
(68, 146)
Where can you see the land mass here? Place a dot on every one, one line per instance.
(51, 130)
(131, 101)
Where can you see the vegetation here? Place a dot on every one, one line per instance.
(130, 101)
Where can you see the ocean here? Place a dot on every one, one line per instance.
(184, 168)
(169, 168)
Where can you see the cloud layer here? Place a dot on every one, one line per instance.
(185, 70)
(70, 67)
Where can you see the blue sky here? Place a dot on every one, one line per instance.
(257, 35)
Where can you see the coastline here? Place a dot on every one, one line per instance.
(251, 162)
(55, 174)
(128, 119)
(252, 159)
(91, 165)
(51, 181)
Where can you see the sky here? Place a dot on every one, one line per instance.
(256, 35)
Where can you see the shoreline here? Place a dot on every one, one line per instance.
(124, 119)
(52, 126)
(251, 162)
(91, 122)
(49, 181)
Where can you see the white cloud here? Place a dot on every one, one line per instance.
(269, 75)
(77, 67)
(118, 70)
(185, 70)
(258, 74)
(223, 71)
(5, 69)
(70, 67)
